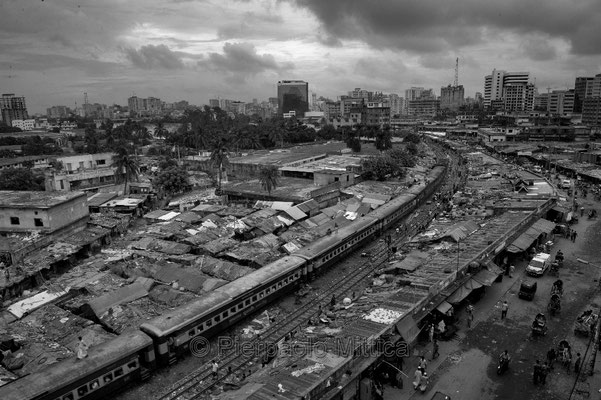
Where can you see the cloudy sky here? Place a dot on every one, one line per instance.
(54, 50)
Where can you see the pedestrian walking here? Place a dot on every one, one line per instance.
(423, 382)
(574, 234)
(504, 308)
(577, 363)
(214, 369)
(423, 363)
(581, 211)
(536, 372)
(431, 332)
(435, 353)
(417, 378)
(544, 370)
(551, 355)
(511, 270)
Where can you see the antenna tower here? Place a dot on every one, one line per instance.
(456, 83)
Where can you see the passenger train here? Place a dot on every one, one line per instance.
(161, 341)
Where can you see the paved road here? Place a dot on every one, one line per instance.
(466, 369)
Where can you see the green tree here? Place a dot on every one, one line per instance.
(268, 176)
(172, 180)
(127, 167)
(383, 138)
(159, 130)
(21, 179)
(412, 138)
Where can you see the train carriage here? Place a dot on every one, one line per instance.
(108, 367)
(327, 250)
(222, 307)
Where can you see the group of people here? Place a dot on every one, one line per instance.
(421, 376)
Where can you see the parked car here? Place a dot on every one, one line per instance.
(565, 184)
(527, 290)
(539, 264)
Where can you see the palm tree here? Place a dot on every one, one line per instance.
(268, 176)
(127, 167)
(159, 130)
(219, 157)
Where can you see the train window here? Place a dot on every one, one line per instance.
(118, 372)
(233, 309)
(254, 298)
(132, 365)
(267, 290)
(280, 284)
(94, 385)
(240, 306)
(192, 332)
(225, 314)
(247, 302)
(217, 318)
(82, 390)
(107, 378)
(209, 323)
(68, 396)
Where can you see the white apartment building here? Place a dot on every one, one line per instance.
(24, 124)
(496, 83)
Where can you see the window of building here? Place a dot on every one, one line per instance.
(38, 222)
(15, 221)
(81, 165)
(62, 185)
(69, 167)
(101, 162)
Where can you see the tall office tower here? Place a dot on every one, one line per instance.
(361, 93)
(583, 87)
(512, 89)
(452, 97)
(293, 96)
(591, 105)
(12, 107)
(541, 102)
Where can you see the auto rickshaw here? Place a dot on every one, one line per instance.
(527, 289)
(539, 325)
(554, 305)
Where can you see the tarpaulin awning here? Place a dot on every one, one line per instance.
(444, 307)
(525, 240)
(492, 267)
(543, 226)
(460, 294)
(485, 277)
(408, 328)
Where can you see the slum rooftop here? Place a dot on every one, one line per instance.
(21, 199)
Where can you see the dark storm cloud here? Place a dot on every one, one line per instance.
(154, 57)
(538, 49)
(434, 25)
(252, 24)
(242, 58)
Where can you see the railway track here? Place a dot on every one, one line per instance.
(198, 383)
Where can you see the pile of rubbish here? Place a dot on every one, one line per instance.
(383, 316)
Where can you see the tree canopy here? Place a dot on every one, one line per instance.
(21, 179)
(126, 167)
(173, 179)
(389, 164)
(268, 176)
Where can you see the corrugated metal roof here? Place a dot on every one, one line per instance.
(189, 279)
(125, 294)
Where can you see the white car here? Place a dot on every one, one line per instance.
(539, 264)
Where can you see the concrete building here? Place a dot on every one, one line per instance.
(58, 112)
(293, 95)
(513, 88)
(561, 102)
(451, 97)
(541, 102)
(423, 107)
(591, 111)
(362, 94)
(396, 103)
(140, 107)
(332, 110)
(347, 104)
(24, 124)
(328, 176)
(583, 87)
(12, 107)
(375, 114)
(82, 172)
(22, 211)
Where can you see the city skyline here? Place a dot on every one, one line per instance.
(54, 51)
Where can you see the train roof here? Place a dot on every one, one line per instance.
(324, 244)
(170, 322)
(72, 369)
(173, 320)
(393, 205)
(260, 276)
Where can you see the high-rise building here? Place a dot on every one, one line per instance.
(213, 103)
(451, 97)
(139, 107)
(293, 96)
(541, 102)
(361, 93)
(512, 89)
(396, 104)
(561, 102)
(12, 107)
(57, 112)
(591, 105)
(583, 87)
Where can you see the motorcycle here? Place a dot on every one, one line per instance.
(503, 365)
